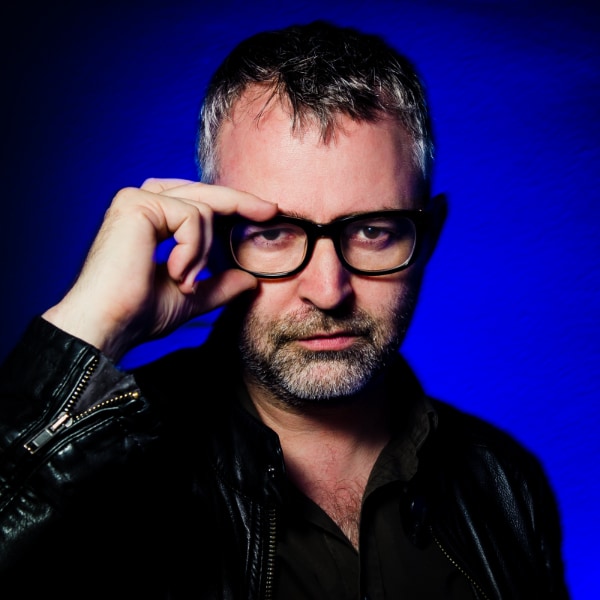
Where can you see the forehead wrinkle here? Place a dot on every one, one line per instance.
(298, 215)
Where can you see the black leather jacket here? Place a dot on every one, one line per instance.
(115, 486)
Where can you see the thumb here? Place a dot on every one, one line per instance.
(217, 290)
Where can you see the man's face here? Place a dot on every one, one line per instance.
(321, 335)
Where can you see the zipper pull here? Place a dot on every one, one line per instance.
(64, 419)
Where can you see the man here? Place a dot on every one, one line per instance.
(294, 454)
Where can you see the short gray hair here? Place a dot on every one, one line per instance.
(322, 70)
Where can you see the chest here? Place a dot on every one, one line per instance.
(317, 558)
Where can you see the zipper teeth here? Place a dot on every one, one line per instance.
(81, 385)
(271, 554)
(104, 403)
(457, 566)
(66, 417)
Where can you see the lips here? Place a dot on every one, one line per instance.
(328, 341)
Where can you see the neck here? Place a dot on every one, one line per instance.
(358, 419)
(329, 451)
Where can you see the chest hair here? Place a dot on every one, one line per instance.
(342, 502)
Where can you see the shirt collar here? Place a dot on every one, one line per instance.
(413, 420)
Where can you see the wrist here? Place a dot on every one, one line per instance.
(84, 326)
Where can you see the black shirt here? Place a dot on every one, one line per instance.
(315, 560)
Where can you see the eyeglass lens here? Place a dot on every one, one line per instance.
(371, 244)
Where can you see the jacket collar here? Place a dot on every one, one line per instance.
(247, 455)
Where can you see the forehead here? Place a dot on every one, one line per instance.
(363, 166)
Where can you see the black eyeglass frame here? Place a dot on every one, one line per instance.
(332, 231)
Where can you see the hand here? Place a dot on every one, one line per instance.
(122, 297)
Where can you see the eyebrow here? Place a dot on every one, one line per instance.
(297, 215)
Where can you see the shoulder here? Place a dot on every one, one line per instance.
(467, 430)
(485, 490)
(473, 451)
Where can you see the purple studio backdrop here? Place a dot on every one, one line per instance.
(508, 327)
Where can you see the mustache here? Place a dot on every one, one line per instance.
(303, 324)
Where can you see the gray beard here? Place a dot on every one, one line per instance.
(300, 377)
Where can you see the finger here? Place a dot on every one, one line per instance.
(156, 185)
(223, 200)
(218, 290)
(189, 256)
(138, 220)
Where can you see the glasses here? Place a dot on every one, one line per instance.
(374, 243)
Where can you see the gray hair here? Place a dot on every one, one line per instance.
(322, 70)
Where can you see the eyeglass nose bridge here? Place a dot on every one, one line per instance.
(316, 231)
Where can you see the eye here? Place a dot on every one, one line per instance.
(369, 233)
(379, 234)
(267, 237)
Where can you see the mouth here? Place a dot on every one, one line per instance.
(327, 341)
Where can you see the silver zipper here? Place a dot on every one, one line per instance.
(269, 578)
(472, 581)
(43, 437)
(66, 418)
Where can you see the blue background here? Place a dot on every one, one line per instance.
(508, 327)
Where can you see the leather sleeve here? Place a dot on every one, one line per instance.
(69, 420)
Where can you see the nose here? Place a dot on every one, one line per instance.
(324, 282)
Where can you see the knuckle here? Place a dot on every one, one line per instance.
(124, 196)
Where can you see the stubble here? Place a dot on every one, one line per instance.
(298, 376)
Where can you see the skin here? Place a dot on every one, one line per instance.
(330, 443)
(324, 308)
(122, 298)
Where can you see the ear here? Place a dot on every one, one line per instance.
(437, 207)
